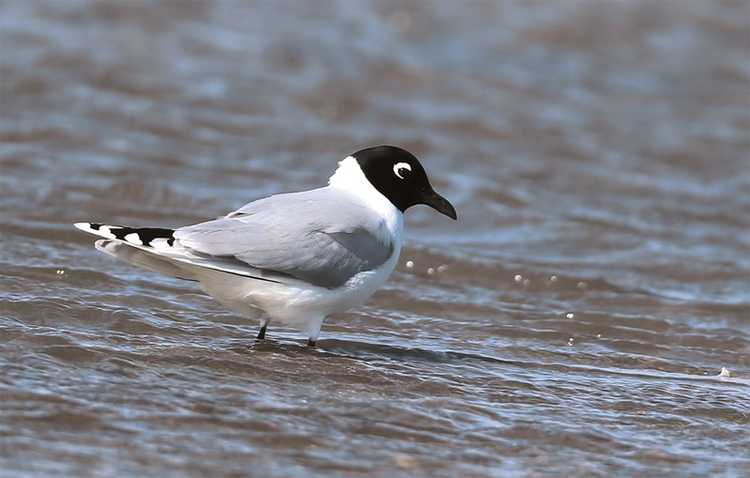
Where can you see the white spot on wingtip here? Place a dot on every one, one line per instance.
(161, 243)
(105, 231)
(134, 238)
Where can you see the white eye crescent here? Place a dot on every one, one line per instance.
(398, 167)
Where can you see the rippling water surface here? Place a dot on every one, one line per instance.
(573, 322)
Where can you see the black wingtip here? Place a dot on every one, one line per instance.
(135, 235)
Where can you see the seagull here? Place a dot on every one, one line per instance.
(293, 258)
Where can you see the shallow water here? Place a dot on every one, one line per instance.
(574, 322)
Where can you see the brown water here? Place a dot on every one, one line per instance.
(573, 322)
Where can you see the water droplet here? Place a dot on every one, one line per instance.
(553, 279)
(581, 285)
(598, 336)
(443, 268)
(518, 278)
(409, 264)
(569, 315)
(430, 271)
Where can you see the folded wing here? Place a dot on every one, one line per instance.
(321, 238)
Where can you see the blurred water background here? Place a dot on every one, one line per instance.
(573, 322)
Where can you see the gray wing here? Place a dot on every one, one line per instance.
(323, 237)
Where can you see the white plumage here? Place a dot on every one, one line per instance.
(292, 258)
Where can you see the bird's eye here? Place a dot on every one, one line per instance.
(402, 170)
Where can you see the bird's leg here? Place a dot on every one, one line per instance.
(310, 343)
(262, 333)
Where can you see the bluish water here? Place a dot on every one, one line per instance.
(573, 322)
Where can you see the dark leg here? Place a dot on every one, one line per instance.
(262, 333)
(310, 343)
